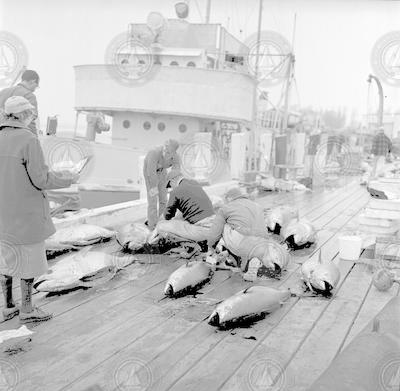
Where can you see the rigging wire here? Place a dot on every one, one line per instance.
(198, 10)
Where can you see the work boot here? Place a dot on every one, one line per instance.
(36, 315)
(252, 269)
(9, 313)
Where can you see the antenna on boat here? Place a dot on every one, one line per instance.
(254, 121)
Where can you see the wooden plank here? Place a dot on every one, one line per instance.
(277, 349)
(301, 199)
(326, 337)
(220, 294)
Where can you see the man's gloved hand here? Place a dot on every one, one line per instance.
(153, 192)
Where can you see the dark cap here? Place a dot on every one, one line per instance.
(29, 75)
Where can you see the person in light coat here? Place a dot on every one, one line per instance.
(25, 220)
(155, 166)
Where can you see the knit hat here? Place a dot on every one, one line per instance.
(16, 104)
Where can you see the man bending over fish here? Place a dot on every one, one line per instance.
(240, 222)
(189, 198)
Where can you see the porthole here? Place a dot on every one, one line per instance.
(182, 128)
(147, 125)
(161, 126)
(126, 124)
(191, 64)
(173, 63)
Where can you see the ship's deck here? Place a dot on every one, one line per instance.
(127, 336)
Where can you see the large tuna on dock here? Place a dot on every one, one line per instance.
(248, 305)
(83, 269)
(299, 234)
(279, 217)
(132, 237)
(78, 236)
(320, 277)
(188, 278)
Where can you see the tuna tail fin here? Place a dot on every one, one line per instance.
(245, 291)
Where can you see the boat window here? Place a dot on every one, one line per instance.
(141, 62)
(191, 64)
(157, 62)
(182, 128)
(161, 126)
(126, 124)
(147, 125)
(173, 63)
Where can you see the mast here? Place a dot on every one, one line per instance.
(380, 92)
(208, 9)
(254, 121)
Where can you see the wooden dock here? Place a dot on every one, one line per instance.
(127, 336)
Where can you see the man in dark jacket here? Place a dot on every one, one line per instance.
(27, 86)
(381, 147)
(188, 197)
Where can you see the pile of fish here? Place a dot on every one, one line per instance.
(279, 217)
(247, 306)
(81, 270)
(299, 234)
(320, 277)
(188, 279)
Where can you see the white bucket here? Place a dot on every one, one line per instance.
(350, 247)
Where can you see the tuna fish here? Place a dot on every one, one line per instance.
(83, 269)
(273, 255)
(247, 306)
(299, 234)
(188, 278)
(279, 217)
(320, 277)
(133, 236)
(78, 236)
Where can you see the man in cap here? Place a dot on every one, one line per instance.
(238, 219)
(155, 166)
(26, 88)
(381, 147)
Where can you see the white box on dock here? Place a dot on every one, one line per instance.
(376, 222)
(382, 214)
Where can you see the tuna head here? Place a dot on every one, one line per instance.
(324, 278)
(276, 256)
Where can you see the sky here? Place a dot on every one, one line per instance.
(333, 42)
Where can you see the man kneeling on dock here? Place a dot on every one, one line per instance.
(190, 199)
(240, 223)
